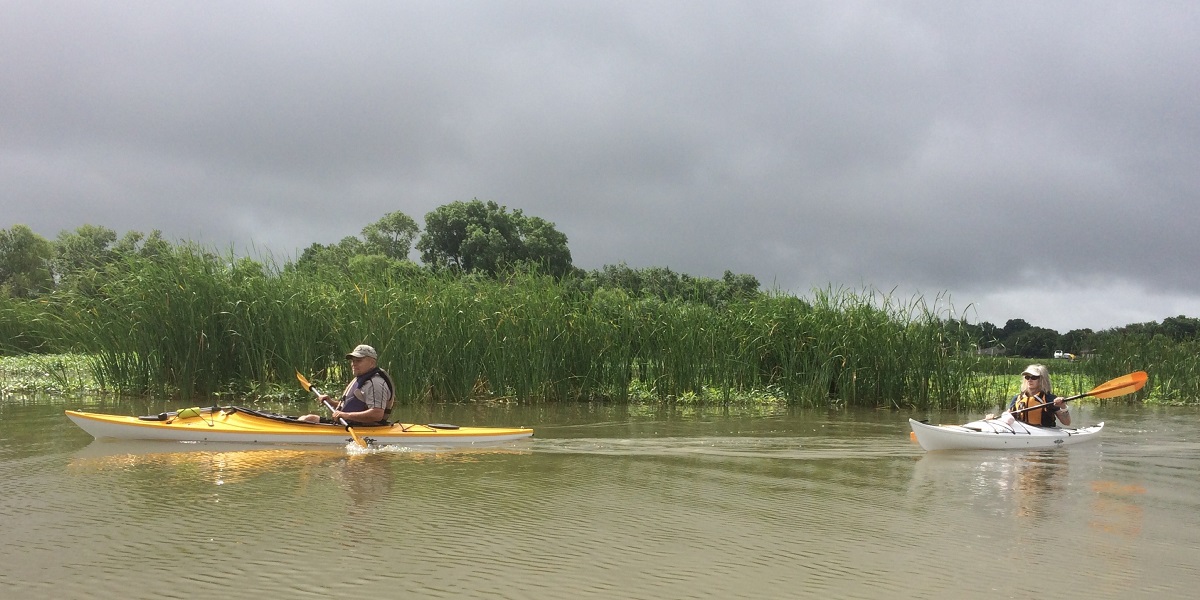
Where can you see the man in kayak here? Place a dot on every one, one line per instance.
(368, 398)
(1035, 391)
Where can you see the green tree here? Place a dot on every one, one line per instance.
(987, 335)
(134, 243)
(25, 259)
(1181, 328)
(665, 284)
(1014, 326)
(1033, 342)
(392, 236)
(319, 257)
(82, 258)
(478, 237)
(377, 267)
(1077, 341)
(89, 247)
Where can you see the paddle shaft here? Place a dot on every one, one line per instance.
(331, 408)
(329, 405)
(1045, 404)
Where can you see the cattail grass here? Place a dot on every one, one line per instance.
(196, 323)
(1173, 367)
(29, 325)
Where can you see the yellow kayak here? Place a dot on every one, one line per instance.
(234, 424)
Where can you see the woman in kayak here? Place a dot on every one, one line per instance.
(1035, 391)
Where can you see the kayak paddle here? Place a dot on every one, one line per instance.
(311, 388)
(1125, 384)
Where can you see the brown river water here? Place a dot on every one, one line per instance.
(605, 502)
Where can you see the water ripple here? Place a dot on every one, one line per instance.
(771, 508)
(732, 447)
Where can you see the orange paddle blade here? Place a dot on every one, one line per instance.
(1120, 386)
(303, 382)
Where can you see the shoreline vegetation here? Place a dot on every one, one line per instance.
(140, 316)
(207, 326)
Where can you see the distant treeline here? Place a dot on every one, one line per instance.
(1019, 338)
(496, 309)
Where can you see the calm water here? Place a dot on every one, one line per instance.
(605, 503)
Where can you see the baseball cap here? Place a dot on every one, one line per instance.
(362, 351)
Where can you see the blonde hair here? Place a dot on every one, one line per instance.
(1043, 376)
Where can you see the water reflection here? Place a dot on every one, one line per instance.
(366, 479)
(237, 460)
(604, 505)
(366, 476)
(1116, 508)
(1034, 479)
(1005, 483)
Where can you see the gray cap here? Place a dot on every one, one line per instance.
(362, 351)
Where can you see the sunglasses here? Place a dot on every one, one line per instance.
(1029, 377)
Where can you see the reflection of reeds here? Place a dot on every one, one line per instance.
(199, 323)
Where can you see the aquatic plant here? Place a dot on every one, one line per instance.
(196, 323)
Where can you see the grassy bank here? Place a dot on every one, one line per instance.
(47, 373)
(202, 324)
(195, 325)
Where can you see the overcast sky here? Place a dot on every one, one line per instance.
(1033, 160)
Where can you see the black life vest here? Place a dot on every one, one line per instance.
(353, 399)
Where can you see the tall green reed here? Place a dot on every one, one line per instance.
(1173, 367)
(29, 325)
(199, 323)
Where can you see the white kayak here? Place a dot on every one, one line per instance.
(997, 434)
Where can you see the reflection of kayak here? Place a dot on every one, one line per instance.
(234, 424)
(995, 434)
(221, 462)
(232, 461)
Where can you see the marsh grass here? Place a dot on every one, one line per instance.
(28, 326)
(201, 324)
(998, 380)
(198, 324)
(1173, 366)
(46, 373)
